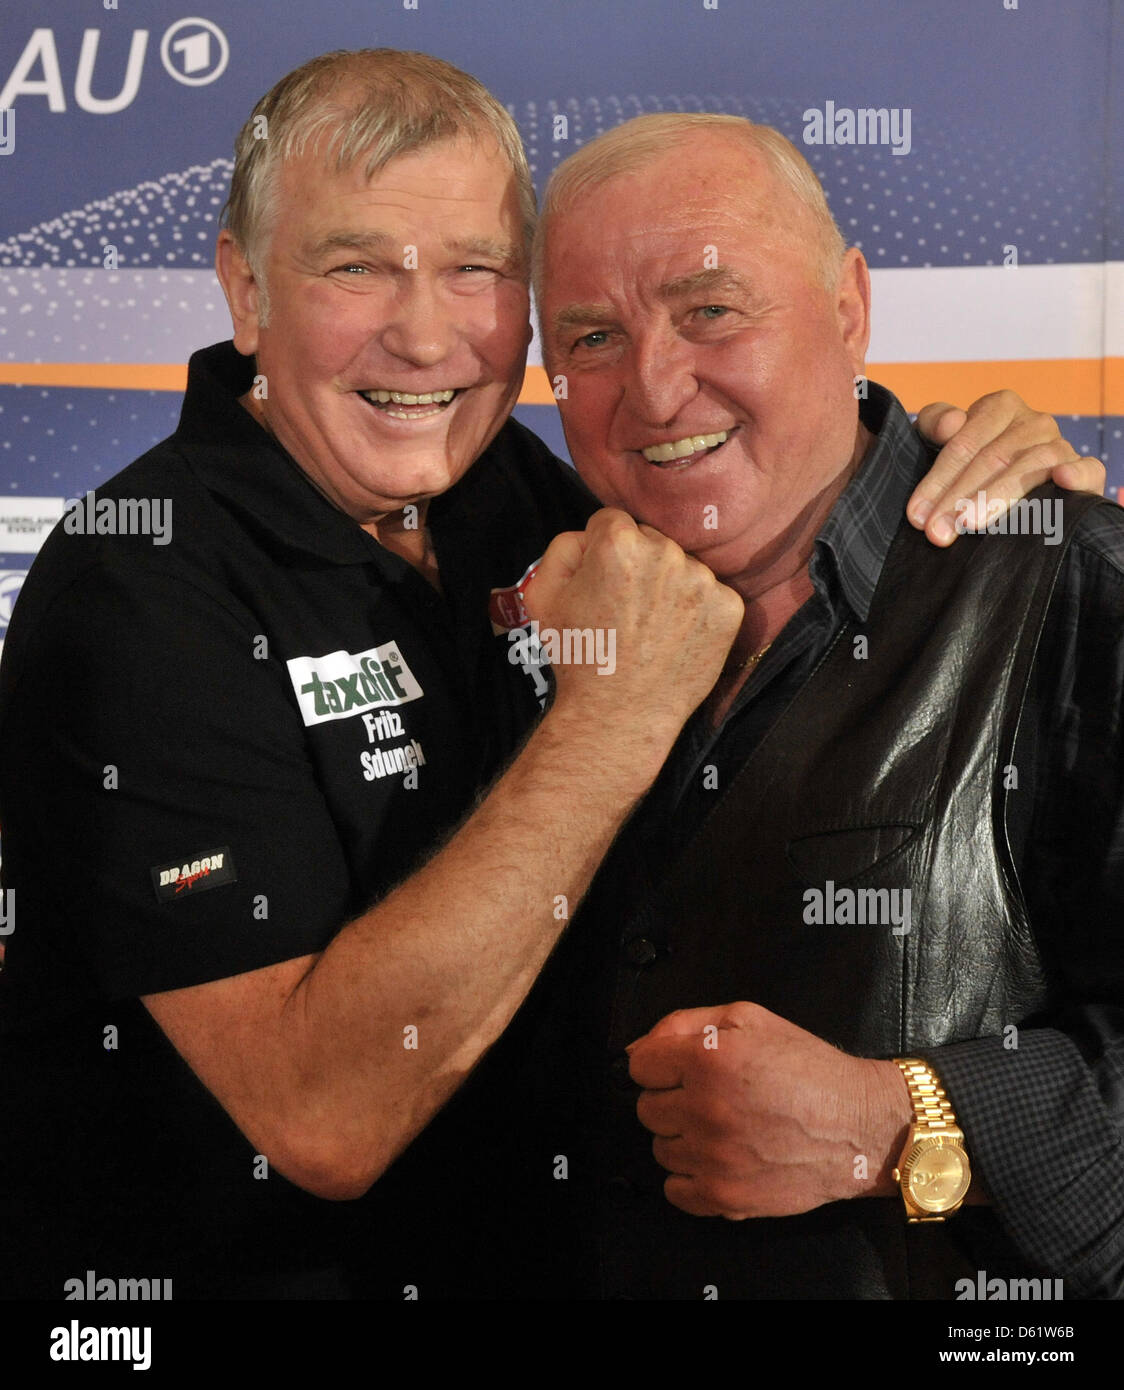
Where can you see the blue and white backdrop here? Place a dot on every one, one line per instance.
(992, 213)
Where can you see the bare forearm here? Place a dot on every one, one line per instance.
(402, 1004)
(330, 1064)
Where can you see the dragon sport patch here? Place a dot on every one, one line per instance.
(186, 877)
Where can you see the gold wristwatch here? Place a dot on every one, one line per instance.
(933, 1169)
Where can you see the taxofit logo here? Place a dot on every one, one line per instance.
(342, 684)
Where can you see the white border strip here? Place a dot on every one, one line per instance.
(921, 314)
(992, 313)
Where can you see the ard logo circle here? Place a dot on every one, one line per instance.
(10, 581)
(194, 51)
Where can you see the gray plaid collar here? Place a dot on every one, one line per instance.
(851, 548)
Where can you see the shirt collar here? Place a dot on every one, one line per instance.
(236, 458)
(851, 548)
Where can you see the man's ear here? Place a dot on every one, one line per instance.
(852, 304)
(243, 294)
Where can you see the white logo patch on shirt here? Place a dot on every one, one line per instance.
(341, 684)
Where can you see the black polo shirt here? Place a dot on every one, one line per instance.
(219, 745)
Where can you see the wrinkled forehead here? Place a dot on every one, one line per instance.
(459, 189)
(639, 258)
(712, 199)
(475, 154)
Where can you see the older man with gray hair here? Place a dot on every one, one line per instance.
(253, 960)
(859, 949)
(289, 833)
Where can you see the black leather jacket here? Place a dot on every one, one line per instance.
(885, 772)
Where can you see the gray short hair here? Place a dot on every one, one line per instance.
(372, 103)
(637, 142)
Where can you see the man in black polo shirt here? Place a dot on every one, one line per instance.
(220, 752)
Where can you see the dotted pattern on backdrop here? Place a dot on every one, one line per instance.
(945, 203)
(167, 222)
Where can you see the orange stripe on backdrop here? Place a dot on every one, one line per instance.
(102, 376)
(1068, 386)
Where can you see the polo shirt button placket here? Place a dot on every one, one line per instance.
(640, 951)
(618, 1071)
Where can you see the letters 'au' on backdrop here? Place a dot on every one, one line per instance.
(974, 150)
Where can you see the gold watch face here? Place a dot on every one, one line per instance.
(937, 1176)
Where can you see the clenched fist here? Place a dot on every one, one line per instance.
(671, 622)
(753, 1116)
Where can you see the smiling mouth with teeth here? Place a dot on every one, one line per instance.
(405, 405)
(680, 453)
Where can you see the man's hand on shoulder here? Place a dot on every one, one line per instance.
(999, 447)
(754, 1116)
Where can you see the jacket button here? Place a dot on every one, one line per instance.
(620, 1191)
(640, 951)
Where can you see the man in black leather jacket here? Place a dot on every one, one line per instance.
(860, 942)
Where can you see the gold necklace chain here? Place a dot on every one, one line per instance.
(750, 661)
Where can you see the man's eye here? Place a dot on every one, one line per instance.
(712, 311)
(359, 269)
(594, 340)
